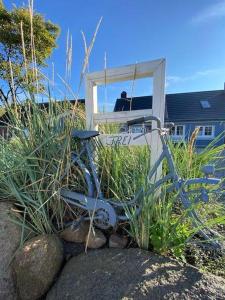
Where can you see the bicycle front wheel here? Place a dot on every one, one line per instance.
(76, 178)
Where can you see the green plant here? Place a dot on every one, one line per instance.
(26, 41)
(159, 227)
(34, 160)
(123, 169)
(38, 150)
(162, 225)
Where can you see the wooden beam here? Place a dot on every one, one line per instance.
(91, 104)
(120, 116)
(141, 70)
(158, 109)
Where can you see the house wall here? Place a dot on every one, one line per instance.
(219, 130)
(218, 138)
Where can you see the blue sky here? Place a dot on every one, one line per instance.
(189, 34)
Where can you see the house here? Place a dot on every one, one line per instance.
(187, 111)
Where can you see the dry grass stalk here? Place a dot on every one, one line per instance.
(191, 145)
(85, 47)
(88, 53)
(132, 86)
(24, 52)
(33, 52)
(12, 86)
(105, 80)
(69, 54)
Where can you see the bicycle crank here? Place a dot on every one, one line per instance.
(101, 212)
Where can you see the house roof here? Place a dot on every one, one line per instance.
(182, 106)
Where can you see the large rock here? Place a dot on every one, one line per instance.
(76, 235)
(10, 235)
(132, 274)
(117, 241)
(95, 239)
(36, 266)
(71, 249)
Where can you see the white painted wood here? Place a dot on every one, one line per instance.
(158, 109)
(120, 116)
(155, 69)
(91, 105)
(142, 70)
(125, 139)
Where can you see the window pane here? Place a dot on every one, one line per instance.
(180, 130)
(137, 129)
(148, 128)
(200, 130)
(205, 104)
(172, 130)
(208, 130)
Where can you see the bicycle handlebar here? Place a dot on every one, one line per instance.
(145, 119)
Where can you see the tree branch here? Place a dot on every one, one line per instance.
(3, 97)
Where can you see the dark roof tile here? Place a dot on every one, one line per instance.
(182, 106)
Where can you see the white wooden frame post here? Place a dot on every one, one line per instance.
(155, 69)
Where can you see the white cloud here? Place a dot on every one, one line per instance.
(199, 74)
(216, 10)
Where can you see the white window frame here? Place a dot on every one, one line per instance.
(175, 136)
(154, 69)
(206, 137)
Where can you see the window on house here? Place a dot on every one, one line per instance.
(136, 129)
(177, 131)
(205, 104)
(206, 131)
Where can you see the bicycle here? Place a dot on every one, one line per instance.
(107, 213)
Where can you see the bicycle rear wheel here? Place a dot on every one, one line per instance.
(207, 215)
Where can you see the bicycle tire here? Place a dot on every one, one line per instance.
(207, 233)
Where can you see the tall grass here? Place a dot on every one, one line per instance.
(162, 224)
(39, 148)
(159, 227)
(123, 170)
(38, 151)
(35, 158)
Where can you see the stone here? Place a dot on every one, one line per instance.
(117, 241)
(36, 265)
(71, 249)
(10, 235)
(28, 234)
(76, 235)
(95, 239)
(132, 274)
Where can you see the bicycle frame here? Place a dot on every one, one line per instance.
(95, 200)
(178, 184)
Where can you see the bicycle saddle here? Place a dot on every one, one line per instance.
(84, 134)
